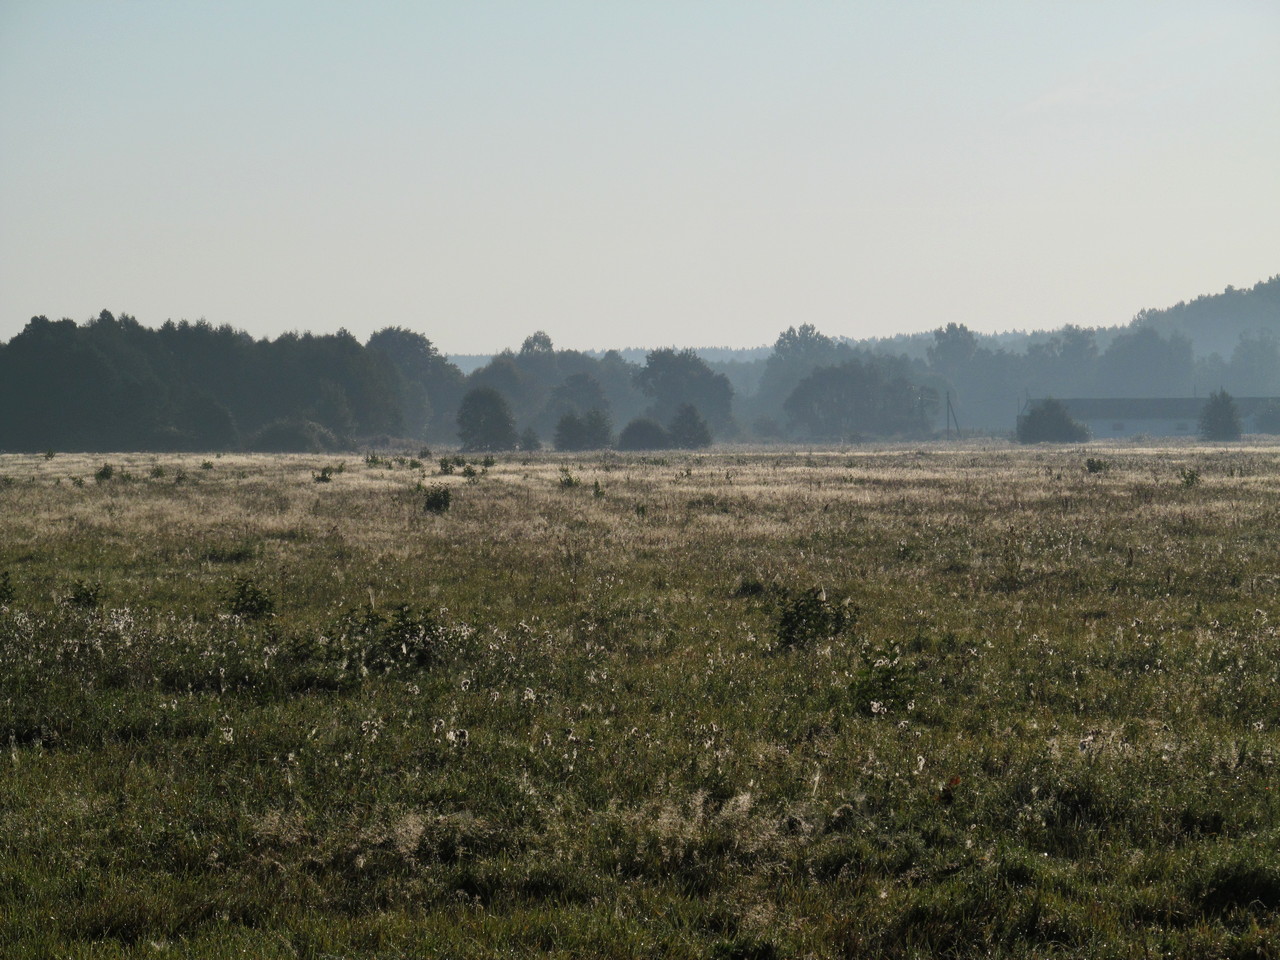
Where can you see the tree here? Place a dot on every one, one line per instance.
(643, 433)
(674, 378)
(873, 396)
(591, 431)
(597, 430)
(537, 342)
(688, 430)
(1219, 420)
(569, 432)
(485, 421)
(1049, 422)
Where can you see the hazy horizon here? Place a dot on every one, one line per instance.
(700, 175)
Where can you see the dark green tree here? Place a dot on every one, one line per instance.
(643, 433)
(672, 378)
(869, 396)
(485, 421)
(591, 431)
(529, 441)
(688, 430)
(1048, 422)
(1220, 420)
(569, 432)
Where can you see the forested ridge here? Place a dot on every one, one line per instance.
(112, 383)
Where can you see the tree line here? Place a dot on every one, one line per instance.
(112, 383)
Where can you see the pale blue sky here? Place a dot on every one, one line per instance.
(693, 173)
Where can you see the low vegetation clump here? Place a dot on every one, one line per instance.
(1049, 422)
(888, 703)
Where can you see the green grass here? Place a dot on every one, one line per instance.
(900, 703)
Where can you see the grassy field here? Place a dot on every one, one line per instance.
(962, 702)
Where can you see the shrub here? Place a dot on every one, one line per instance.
(811, 618)
(105, 473)
(1049, 422)
(436, 498)
(1219, 420)
(85, 593)
(249, 601)
(446, 466)
(643, 434)
(295, 436)
(1094, 465)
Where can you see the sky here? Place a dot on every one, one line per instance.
(691, 173)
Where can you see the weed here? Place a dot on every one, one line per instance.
(568, 480)
(749, 587)
(811, 617)
(156, 472)
(7, 593)
(1189, 476)
(206, 465)
(249, 601)
(1095, 465)
(104, 473)
(85, 593)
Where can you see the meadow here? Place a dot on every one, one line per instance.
(967, 701)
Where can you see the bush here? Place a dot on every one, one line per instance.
(295, 436)
(1049, 422)
(436, 498)
(85, 593)
(643, 434)
(105, 473)
(811, 618)
(1219, 420)
(249, 601)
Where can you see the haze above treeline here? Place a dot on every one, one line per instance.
(113, 383)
